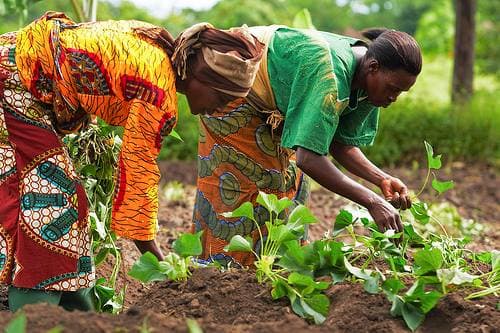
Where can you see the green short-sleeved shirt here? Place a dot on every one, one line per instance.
(311, 73)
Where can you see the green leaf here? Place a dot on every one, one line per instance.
(17, 325)
(268, 201)
(280, 289)
(411, 235)
(302, 20)
(371, 281)
(280, 233)
(391, 287)
(484, 257)
(495, 260)
(454, 276)
(103, 294)
(56, 329)
(495, 266)
(418, 296)
(193, 326)
(301, 215)
(101, 255)
(188, 245)
(428, 261)
(115, 304)
(371, 285)
(358, 272)
(238, 243)
(298, 279)
(176, 135)
(316, 306)
(147, 269)
(282, 204)
(175, 267)
(433, 162)
(412, 316)
(294, 258)
(338, 277)
(419, 212)
(442, 187)
(245, 210)
(89, 170)
(296, 304)
(397, 306)
(343, 219)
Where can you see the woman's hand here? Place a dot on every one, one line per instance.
(396, 192)
(385, 216)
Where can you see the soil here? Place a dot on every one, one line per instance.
(233, 301)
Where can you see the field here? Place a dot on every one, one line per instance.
(235, 302)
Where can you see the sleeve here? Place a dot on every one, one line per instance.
(312, 108)
(359, 127)
(135, 209)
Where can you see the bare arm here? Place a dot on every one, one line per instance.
(322, 170)
(353, 159)
(149, 246)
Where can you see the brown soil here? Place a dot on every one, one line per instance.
(234, 302)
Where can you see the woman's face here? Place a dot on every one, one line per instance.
(384, 86)
(203, 99)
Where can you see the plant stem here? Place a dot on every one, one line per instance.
(492, 290)
(440, 224)
(424, 184)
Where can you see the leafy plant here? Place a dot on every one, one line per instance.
(492, 278)
(303, 292)
(176, 266)
(17, 325)
(94, 152)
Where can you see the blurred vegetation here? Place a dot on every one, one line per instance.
(466, 132)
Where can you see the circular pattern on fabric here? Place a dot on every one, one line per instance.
(229, 188)
(47, 208)
(7, 162)
(265, 141)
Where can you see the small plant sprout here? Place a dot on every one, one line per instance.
(174, 192)
(176, 266)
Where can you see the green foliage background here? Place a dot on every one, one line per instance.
(461, 132)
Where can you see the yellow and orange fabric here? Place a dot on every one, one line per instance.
(108, 70)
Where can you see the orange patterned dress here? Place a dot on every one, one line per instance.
(106, 69)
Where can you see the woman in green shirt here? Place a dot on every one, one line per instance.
(315, 94)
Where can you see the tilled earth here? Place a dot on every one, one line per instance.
(234, 302)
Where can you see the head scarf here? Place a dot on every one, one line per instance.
(226, 60)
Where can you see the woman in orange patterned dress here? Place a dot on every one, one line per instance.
(54, 75)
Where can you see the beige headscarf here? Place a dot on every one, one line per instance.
(226, 60)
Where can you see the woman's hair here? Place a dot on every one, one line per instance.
(394, 49)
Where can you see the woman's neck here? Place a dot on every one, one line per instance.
(359, 56)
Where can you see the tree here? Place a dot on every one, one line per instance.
(463, 68)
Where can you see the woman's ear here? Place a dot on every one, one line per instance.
(373, 65)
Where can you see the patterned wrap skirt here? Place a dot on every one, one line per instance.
(238, 157)
(44, 230)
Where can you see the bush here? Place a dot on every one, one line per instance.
(461, 133)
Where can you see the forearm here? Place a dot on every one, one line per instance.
(353, 159)
(149, 246)
(322, 170)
